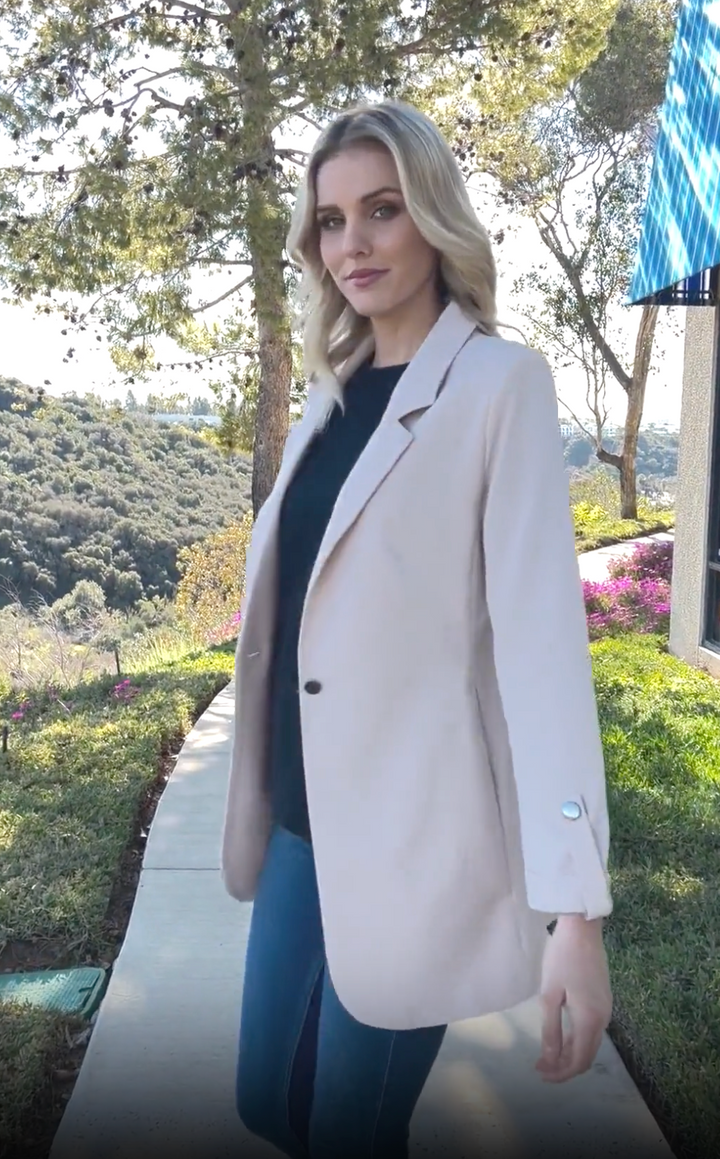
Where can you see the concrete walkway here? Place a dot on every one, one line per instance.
(594, 564)
(157, 1079)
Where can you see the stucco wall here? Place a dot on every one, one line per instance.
(689, 568)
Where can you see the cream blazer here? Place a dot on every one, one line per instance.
(454, 766)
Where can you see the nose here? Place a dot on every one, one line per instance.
(355, 239)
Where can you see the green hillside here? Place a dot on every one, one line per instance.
(657, 452)
(93, 492)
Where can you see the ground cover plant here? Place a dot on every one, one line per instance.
(661, 732)
(83, 765)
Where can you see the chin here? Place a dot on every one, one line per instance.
(378, 309)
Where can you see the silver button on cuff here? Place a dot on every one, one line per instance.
(572, 810)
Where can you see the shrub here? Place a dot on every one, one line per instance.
(597, 489)
(627, 605)
(589, 517)
(635, 597)
(211, 588)
(595, 502)
(648, 561)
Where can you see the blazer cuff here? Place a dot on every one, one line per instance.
(591, 899)
(574, 878)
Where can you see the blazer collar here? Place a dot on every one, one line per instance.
(421, 381)
(416, 390)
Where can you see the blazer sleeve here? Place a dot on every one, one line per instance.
(542, 659)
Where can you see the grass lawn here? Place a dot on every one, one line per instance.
(69, 798)
(609, 531)
(78, 768)
(661, 730)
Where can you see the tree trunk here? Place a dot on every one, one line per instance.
(265, 242)
(628, 487)
(635, 404)
(266, 227)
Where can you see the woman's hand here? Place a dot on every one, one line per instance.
(574, 977)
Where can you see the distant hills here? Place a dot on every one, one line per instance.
(89, 491)
(107, 493)
(657, 452)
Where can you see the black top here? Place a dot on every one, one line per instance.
(304, 516)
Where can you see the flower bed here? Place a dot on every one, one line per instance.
(81, 766)
(636, 595)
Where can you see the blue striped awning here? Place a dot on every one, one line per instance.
(678, 258)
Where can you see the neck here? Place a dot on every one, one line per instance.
(398, 336)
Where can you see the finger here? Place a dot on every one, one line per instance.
(577, 1061)
(565, 1064)
(552, 1068)
(588, 1036)
(552, 1034)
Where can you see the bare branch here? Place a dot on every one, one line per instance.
(164, 102)
(550, 237)
(227, 294)
(297, 112)
(297, 156)
(575, 418)
(609, 457)
(155, 76)
(206, 12)
(552, 334)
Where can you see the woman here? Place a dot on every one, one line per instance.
(417, 785)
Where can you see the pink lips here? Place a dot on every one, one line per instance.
(364, 278)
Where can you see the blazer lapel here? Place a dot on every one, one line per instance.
(416, 390)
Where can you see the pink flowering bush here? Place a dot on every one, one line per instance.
(124, 692)
(226, 632)
(46, 703)
(648, 561)
(635, 597)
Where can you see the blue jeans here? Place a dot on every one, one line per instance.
(311, 1080)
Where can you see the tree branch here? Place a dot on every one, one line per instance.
(575, 418)
(548, 233)
(644, 343)
(298, 112)
(429, 41)
(216, 302)
(154, 76)
(609, 457)
(164, 102)
(552, 334)
(196, 11)
(292, 154)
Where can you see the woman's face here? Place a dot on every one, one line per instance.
(364, 225)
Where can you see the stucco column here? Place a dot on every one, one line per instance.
(687, 622)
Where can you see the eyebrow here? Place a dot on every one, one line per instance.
(364, 198)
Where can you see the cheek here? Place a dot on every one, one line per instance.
(410, 247)
(330, 251)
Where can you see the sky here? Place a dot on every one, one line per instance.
(33, 349)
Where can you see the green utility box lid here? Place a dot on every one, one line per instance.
(66, 991)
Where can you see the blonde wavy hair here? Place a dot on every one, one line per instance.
(438, 203)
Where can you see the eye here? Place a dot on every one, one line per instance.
(330, 222)
(392, 209)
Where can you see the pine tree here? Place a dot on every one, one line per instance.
(148, 148)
